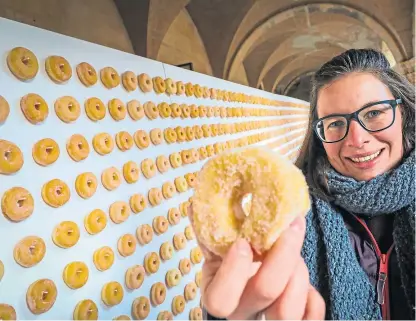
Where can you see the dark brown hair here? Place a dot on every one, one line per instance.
(312, 159)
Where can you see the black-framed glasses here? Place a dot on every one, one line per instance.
(373, 117)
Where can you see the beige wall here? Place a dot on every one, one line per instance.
(240, 76)
(96, 21)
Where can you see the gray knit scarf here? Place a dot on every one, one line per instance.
(333, 266)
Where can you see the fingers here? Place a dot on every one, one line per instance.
(274, 274)
(225, 283)
(315, 306)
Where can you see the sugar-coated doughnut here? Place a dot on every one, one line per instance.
(135, 109)
(75, 274)
(156, 136)
(95, 221)
(134, 277)
(171, 87)
(34, 108)
(109, 77)
(195, 314)
(185, 266)
(190, 291)
(77, 147)
(41, 296)
(119, 212)
(55, 193)
(162, 164)
(112, 293)
(86, 184)
(210, 111)
(178, 304)
(140, 308)
(210, 150)
(124, 141)
(165, 315)
(179, 241)
(67, 109)
(103, 143)
(29, 251)
(137, 203)
(176, 110)
(166, 251)
(117, 109)
(148, 167)
(86, 74)
(158, 293)
(7, 312)
(174, 216)
(17, 204)
(103, 258)
(95, 109)
(151, 111)
(22, 63)
(144, 234)
(142, 139)
(85, 310)
(173, 277)
(66, 234)
(4, 109)
(159, 85)
(126, 245)
(160, 224)
(196, 255)
(11, 157)
(168, 190)
(145, 82)
(151, 262)
(129, 80)
(58, 69)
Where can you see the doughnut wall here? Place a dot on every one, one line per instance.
(99, 154)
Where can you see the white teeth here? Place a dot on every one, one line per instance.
(365, 159)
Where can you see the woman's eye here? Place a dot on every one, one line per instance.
(372, 114)
(337, 123)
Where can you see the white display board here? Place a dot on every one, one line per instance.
(17, 129)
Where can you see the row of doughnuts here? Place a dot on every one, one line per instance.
(24, 65)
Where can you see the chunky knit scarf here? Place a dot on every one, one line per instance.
(333, 266)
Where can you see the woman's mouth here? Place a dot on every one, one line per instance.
(366, 158)
(367, 161)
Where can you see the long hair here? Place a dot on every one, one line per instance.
(312, 159)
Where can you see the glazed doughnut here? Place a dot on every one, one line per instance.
(190, 133)
(134, 277)
(198, 278)
(196, 255)
(34, 108)
(86, 74)
(173, 277)
(189, 89)
(185, 111)
(17, 204)
(103, 143)
(162, 164)
(95, 221)
(190, 291)
(67, 109)
(7, 312)
(191, 179)
(189, 233)
(140, 308)
(22, 63)
(86, 310)
(135, 109)
(126, 245)
(103, 258)
(150, 110)
(29, 251)
(41, 296)
(151, 262)
(210, 111)
(58, 69)
(186, 156)
(206, 91)
(165, 315)
(1, 275)
(180, 88)
(122, 317)
(86, 185)
(175, 160)
(164, 110)
(179, 241)
(171, 88)
(144, 234)
(181, 185)
(174, 216)
(166, 251)
(180, 134)
(129, 80)
(156, 136)
(178, 304)
(185, 266)
(195, 314)
(117, 109)
(213, 93)
(75, 274)
(148, 168)
(109, 77)
(159, 85)
(124, 141)
(160, 224)
(157, 293)
(194, 111)
(137, 203)
(183, 207)
(145, 83)
(111, 178)
(66, 234)
(11, 157)
(112, 293)
(168, 190)
(55, 193)
(142, 139)
(198, 91)
(4, 109)
(77, 147)
(206, 130)
(95, 109)
(131, 172)
(119, 212)
(176, 110)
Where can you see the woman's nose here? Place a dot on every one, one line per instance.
(357, 135)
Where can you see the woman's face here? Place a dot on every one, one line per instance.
(346, 95)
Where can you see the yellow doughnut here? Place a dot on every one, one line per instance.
(189, 233)
(134, 277)
(178, 304)
(103, 258)
(86, 310)
(58, 69)
(131, 172)
(210, 150)
(67, 109)
(95, 221)
(181, 185)
(158, 293)
(119, 212)
(55, 193)
(17, 204)
(4, 109)
(198, 91)
(185, 111)
(159, 85)
(144, 234)
(66, 234)
(142, 139)
(198, 278)
(180, 134)
(189, 89)
(145, 83)
(175, 160)
(166, 251)
(223, 112)
(22, 63)
(164, 110)
(156, 136)
(171, 88)
(206, 91)
(186, 156)
(190, 179)
(185, 266)
(148, 168)
(173, 277)
(112, 293)
(86, 74)
(29, 251)
(122, 317)
(41, 296)
(45, 152)
(86, 185)
(194, 111)
(151, 262)
(77, 147)
(174, 216)
(190, 291)
(111, 178)
(129, 80)
(190, 134)
(165, 315)
(176, 110)
(168, 190)
(103, 143)
(179, 241)
(117, 109)
(109, 77)
(183, 207)
(195, 314)
(124, 141)
(162, 164)
(210, 111)
(75, 274)
(7, 312)
(160, 224)
(180, 88)
(1, 272)
(213, 93)
(126, 245)
(34, 108)
(196, 255)
(135, 109)
(95, 109)
(214, 129)
(150, 110)
(206, 129)
(137, 203)
(140, 308)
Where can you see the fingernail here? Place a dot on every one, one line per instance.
(298, 224)
(243, 248)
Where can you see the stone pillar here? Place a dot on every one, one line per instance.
(408, 69)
